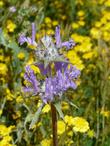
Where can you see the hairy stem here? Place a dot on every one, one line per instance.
(54, 124)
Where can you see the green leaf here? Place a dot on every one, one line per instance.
(2, 39)
(72, 104)
(28, 119)
(13, 45)
(36, 116)
(59, 110)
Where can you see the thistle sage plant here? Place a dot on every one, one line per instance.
(56, 80)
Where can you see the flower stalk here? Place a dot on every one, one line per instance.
(54, 124)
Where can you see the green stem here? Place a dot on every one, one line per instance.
(54, 125)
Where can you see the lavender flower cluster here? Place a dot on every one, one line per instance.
(61, 82)
(48, 52)
(52, 86)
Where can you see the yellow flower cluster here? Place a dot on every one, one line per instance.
(105, 113)
(79, 124)
(10, 26)
(101, 28)
(61, 127)
(47, 27)
(5, 138)
(46, 108)
(9, 96)
(3, 69)
(1, 3)
(75, 59)
(21, 55)
(46, 142)
(80, 20)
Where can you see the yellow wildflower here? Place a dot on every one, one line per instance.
(95, 33)
(9, 95)
(105, 113)
(106, 27)
(22, 74)
(69, 120)
(1, 3)
(107, 15)
(106, 36)
(4, 134)
(31, 46)
(80, 125)
(46, 108)
(70, 133)
(77, 38)
(1, 111)
(3, 69)
(61, 127)
(50, 32)
(11, 26)
(30, 61)
(37, 36)
(81, 23)
(6, 141)
(54, 23)
(1, 58)
(21, 55)
(75, 25)
(88, 55)
(84, 47)
(107, 3)
(75, 59)
(5, 130)
(91, 133)
(47, 20)
(103, 20)
(81, 13)
(35, 69)
(98, 24)
(101, 1)
(46, 142)
(19, 99)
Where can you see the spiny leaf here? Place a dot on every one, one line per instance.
(59, 110)
(71, 103)
(2, 39)
(36, 116)
(28, 119)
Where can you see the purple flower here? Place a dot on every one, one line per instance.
(55, 86)
(57, 37)
(33, 33)
(44, 70)
(60, 65)
(31, 78)
(49, 90)
(12, 9)
(47, 70)
(68, 44)
(49, 87)
(31, 41)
